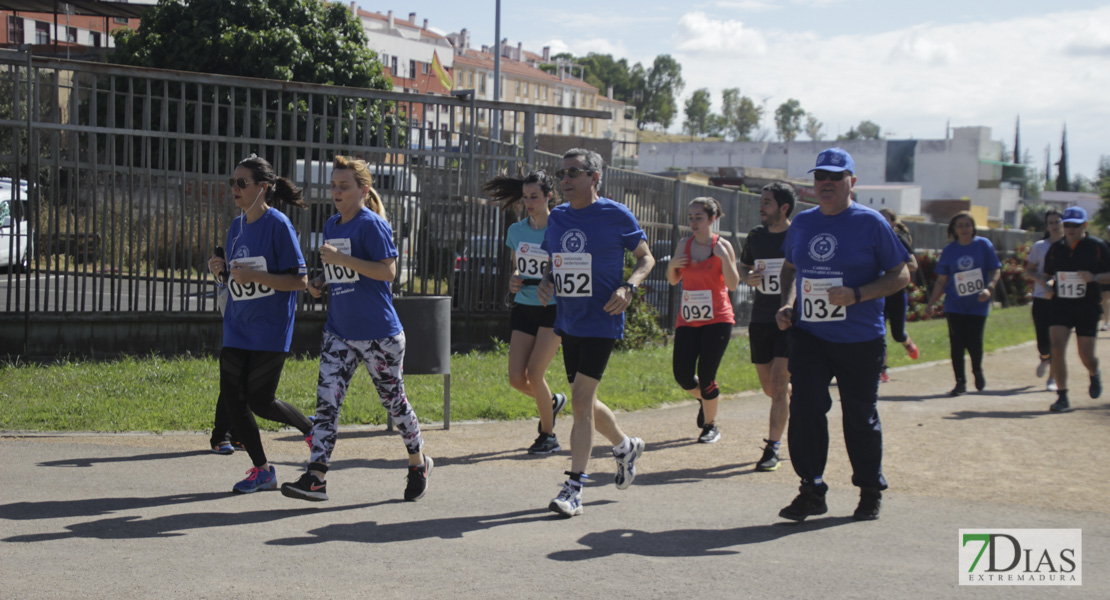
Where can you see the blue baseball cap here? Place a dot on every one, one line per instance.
(834, 159)
(1075, 214)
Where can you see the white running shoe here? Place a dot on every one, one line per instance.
(626, 464)
(569, 501)
(1051, 385)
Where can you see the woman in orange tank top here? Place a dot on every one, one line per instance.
(706, 266)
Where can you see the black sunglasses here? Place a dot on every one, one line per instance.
(238, 183)
(828, 175)
(1072, 225)
(572, 172)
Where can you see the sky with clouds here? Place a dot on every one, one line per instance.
(913, 68)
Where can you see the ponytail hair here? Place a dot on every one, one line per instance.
(361, 170)
(711, 207)
(279, 189)
(509, 190)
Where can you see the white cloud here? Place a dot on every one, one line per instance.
(698, 33)
(1049, 69)
(584, 47)
(752, 6)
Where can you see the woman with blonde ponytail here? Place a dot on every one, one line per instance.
(360, 262)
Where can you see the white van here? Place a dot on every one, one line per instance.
(398, 188)
(13, 224)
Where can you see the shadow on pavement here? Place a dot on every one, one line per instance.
(1017, 414)
(135, 526)
(969, 395)
(88, 462)
(686, 542)
(91, 507)
(371, 532)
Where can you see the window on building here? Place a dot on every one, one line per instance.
(15, 30)
(42, 32)
(71, 35)
(424, 68)
(94, 39)
(900, 161)
(393, 66)
(120, 20)
(412, 69)
(481, 83)
(525, 87)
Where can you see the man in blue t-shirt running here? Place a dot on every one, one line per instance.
(587, 238)
(842, 260)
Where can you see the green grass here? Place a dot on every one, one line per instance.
(174, 394)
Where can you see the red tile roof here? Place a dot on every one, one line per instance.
(484, 60)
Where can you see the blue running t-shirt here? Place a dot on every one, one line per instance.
(257, 317)
(361, 308)
(587, 256)
(967, 268)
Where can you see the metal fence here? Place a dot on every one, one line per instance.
(126, 193)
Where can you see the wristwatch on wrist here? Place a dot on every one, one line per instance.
(631, 286)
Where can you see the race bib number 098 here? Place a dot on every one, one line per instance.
(573, 274)
(249, 291)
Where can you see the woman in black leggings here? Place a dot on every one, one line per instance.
(894, 309)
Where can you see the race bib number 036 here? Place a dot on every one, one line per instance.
(336, 273)
(530, 260)
(249, 291)
(1070, 285)
(772, 275)
(816, 307)
(573, 274)
(697, 305)
(969, 282)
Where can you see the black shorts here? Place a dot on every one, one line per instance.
(528, 318)
(767, 342)
(586, 355)
(1082, 316)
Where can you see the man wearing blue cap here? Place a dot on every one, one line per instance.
(1079, 265)
(842, 260)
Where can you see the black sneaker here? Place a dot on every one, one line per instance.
(545, 444)
(980, 381)
(1061, 403)
(308, 487)
(770, 459)
(870, 500)
(709, 434)
(1096, 385)
(418, 480)
(810, 501)
(960, 389)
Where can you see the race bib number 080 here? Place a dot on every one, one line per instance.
(969, 282)
(816, 307)
(249, 291)
(1070, 285)
(772, 275)
(530, 260)
(336, 273)
(573, 274)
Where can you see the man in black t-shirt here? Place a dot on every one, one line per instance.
(761, 267)
(1078, 265)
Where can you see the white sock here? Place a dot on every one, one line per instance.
(624, 447)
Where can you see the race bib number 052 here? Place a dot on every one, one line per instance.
(816, 307)
(249, 291)
(573, 274)
(336, 273)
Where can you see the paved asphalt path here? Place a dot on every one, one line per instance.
(151, 516)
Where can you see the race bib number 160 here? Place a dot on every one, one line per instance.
(336, 273)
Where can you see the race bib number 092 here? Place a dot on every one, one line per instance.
(697, 305)
(249, 291)
(573, 274)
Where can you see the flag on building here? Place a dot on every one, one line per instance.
(441, 73)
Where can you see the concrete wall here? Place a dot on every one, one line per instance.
(903, 200)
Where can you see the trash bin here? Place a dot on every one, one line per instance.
(427, 323)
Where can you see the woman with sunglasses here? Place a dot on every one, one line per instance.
(534, 342)
(967, 273)
(706, 266)
(360, 263)
(1042, 291)
(266, 270)
(894, 309)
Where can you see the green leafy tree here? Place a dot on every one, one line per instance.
(739, 115)
(697, 112)
(788, 119)
(1102, 185)
(661, 84)
(813, 128)
(603, 72)
(1062, 180)
(868, 130)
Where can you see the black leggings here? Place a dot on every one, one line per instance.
(965, 332)
(1040, 325)
(894, 309)
(700, 349)
(248, 381)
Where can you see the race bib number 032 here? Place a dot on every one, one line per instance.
(816, 307)
(249, 291)
(336, 273)
(573, 274)
(772, 275)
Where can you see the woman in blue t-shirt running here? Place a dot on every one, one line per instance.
(967, 273)
(534, 342)
(360, 262)
(266, 272)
